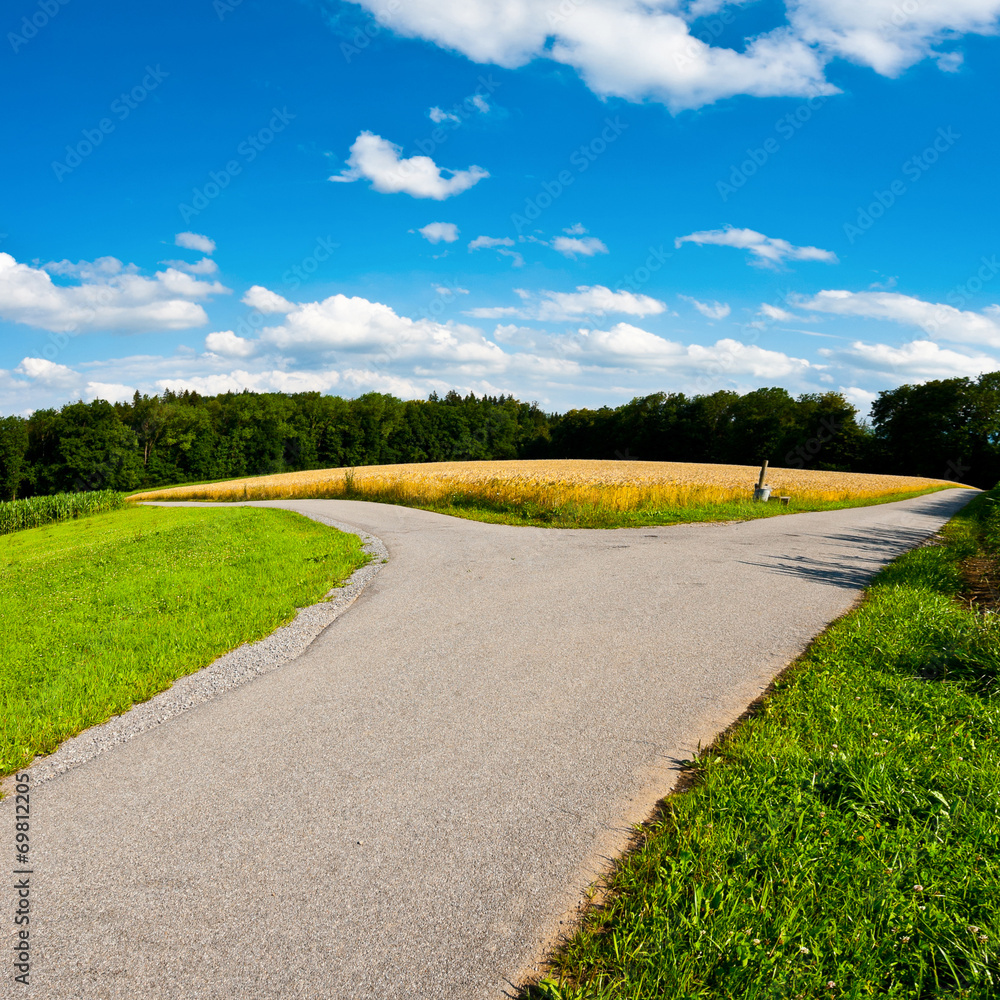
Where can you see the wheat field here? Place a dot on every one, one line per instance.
(611, 485)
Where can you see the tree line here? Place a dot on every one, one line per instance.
(947, 429)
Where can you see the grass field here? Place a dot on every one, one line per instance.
(100, 613)
(844, 841)
(571, 493)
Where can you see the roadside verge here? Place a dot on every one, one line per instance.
(843, 840)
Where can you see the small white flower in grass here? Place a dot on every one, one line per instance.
(757, 940)
(905, 940)
(918, 888)
(831, 985)
(803, 949)
(835, 747)
(973, 929)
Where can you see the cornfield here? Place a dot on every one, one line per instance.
(16, 515)
(552, 484)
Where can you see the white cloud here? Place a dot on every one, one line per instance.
(204, 266)
(935, 318)
(516, 259)
(264, 300)
(861, 399)
(919, 360)
(356, 324)
(113, 392)
(437, 116)
(570, 246)
(446, 291)
(195, 241)
(596, 300)
(480, 103)
(47, 372)
(379, 161)
(490, 241)
(630, 345)
(587, 300)
(577, 229)
(228, 345)
(625, 48)
(110, 296)
(764, 250)
(710, 310)
(774, 312)
(435, 232)
(645, 50)
(889, 35)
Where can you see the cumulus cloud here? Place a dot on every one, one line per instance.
(228, 345)
(47, 372)
(195, 241)
(934, 318)
(204, 266)
(357, 325)
(890, 36)
(435, 232)
(380, 162)
(437, 116)
(710, 310)
(640, 50)
(918, 360)
(630, 345)
(586, 246)
(587, 300)
(264, 300)
(764, 250)
(113, 392)
(109, 296)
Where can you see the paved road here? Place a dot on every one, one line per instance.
(410, 807)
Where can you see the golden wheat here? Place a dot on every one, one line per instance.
(613, 485)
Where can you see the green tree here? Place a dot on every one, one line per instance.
(14, 468)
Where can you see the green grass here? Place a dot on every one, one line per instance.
(17, 515)
(100, 613)
(844, 840)
(475, 508)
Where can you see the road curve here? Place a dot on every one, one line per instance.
(410, 807)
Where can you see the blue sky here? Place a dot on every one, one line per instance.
(574, 201)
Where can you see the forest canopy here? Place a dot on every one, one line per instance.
(947, 429)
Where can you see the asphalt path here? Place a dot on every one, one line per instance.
(412, 806)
